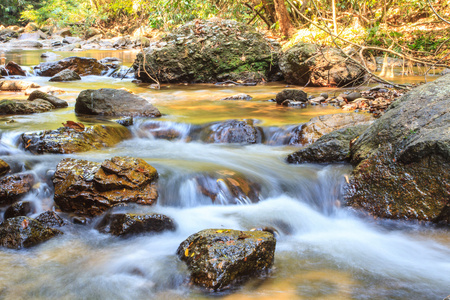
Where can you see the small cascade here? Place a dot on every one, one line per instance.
(163, 130)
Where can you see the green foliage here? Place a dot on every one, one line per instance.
(57, 12)
(10, 10)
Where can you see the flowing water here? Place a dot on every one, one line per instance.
(324, 250)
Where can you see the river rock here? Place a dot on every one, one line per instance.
(17, 85)
(51, 219)
(209, 51)
(4, 168)
(232, 131)
(23, 232)
(7, 33)
(329, 148)
(90, 188)
(66, 75)
(26, 44)
(238, 97)
(13, 187)
(24, 107)
(403, 159)
(291, 94)
(313, 65)
(129, 224)
(318, 126)
(220, 258)
(114, 102)
(19, 209)
(228, 187)
(55, 101)
(71, 140)
(81, 65)
(14, 69)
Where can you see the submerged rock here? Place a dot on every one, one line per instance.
(13, 187)
(91, 188)
(81, 65)
(66, 75)
(71, 140)
(55, 101)
(318, 126)
(209, 51)
(220, 258)
(16, 85)
(238, 97)
(403, 159)
(228, 187)
(232, 131)
(329, 148)
(313, 65)
(24, 107)
(23, 232)
(128, 224)
(114, 102)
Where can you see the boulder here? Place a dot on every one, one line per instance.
(55, 101)
(4, 167)
(7, 33)
(14, 69)
(19, 209)
(291, 94)
(329, 148)
(24, 107)
(50, 219)
(71, 140)
(23, 232)
(309, 132)
(220, 258)
(403, 159)
(313, 65)
(13, 187)
(114, 102)
(129, 224)
(81, 65)
(209, 51)
(228, 187)
(90, 188)
(16, 85)
(25, 44)
(232, 131)
(66, 75)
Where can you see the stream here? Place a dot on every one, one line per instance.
(323, 251)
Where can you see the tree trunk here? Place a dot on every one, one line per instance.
(283, 17)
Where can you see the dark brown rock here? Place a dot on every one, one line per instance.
(313, 65)
(291, 94)
(238, 97)
(66, 75)
(13, 187)
(81, 65)
(403, 158)
(4, 167)
(90, 188)
(19, 209)
(129, 224)
(220, 258)
(70, 140)
(114, 102)
(51, 219)
(23, 232)
(14, 69)
(55, 101)
(232, 131)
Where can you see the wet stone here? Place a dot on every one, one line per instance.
(219, 259)
(55, 101)
(13, 187)
(4, 167)
(292, 95)
(51, 219)
(19, 209)
(128, 224)
(24, 232)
